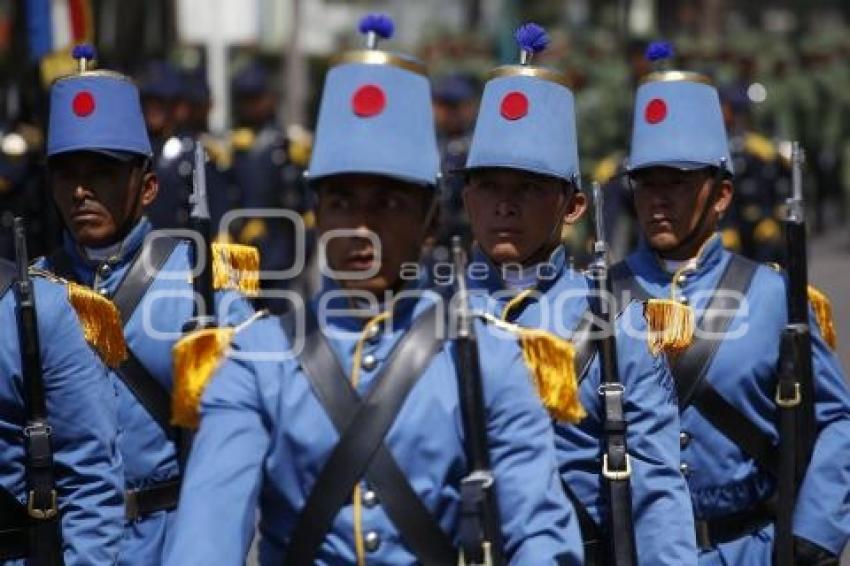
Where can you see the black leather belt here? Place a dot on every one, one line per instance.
(719, 530)
(160, 497)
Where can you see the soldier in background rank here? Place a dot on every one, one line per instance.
(80, 401)
(275, 430)
(762, 182)
(681, 175)
(522, 187)
(100, 164)
(455, 101)
(173, 162)
(268, 168)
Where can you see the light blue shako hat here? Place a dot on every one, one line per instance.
(678, 121)
(375, 116)
(96, 110)
(526, 120)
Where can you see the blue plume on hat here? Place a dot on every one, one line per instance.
(531, 37)
(83, 51)
(379, 24)
(659, 51)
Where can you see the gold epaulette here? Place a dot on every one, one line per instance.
(242, 139)
(823, 315)
(670, 326)
(219, 151)
(731, 239)
(551, 361)
(236, 267)
(100, 322)
(607, 167)
(767, 230)
(253, 231)
(759, 146)
(196, 356)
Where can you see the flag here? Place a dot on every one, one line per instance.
(57, 25)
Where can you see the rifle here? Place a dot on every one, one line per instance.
(480, 522)
(45, 542)
(795, 387)
(616, 469)
(199, 222)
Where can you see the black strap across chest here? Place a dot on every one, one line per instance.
(690, 369)
(362, 425)
(150, 393)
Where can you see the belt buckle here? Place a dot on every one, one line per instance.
(785, 402)
(131, 504)
(40, 513)
(616, 475)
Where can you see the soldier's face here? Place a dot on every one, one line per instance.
(669, 205)
(395, 213)
(516, 217)
(99, 197)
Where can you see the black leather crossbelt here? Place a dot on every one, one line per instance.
(160, 497)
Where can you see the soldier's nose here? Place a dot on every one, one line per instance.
(505, 208)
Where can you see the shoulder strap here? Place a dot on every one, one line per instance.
(585, 348)
(342, 404)
(626, 286)
(150, 393)
(141, 275)
(7, 275)
(691, 367)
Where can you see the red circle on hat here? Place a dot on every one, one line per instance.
(656, 111)
(514, 105)
(83, 104)
(368, 101)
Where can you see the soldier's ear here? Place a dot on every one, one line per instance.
(576, 205)
(150, 188)
(724, 197)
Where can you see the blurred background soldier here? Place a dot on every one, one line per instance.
(455, 100)
(752, 224)
(187, 110)
(268, 168)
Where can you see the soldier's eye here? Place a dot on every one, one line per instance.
(392, 203)
(339, 203)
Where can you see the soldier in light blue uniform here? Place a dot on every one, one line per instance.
(266, 432)
(99, 159)
(522, 187)
(680, 173)
(81, 411)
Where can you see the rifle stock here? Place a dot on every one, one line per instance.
(45, 543)
(795, 387)
(480, 522)
(616, 468)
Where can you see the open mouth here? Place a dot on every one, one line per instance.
(360, 261)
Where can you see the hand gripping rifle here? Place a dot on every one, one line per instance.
(616, 468)
(480, 522)
(45, 541)
(795, 388)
